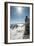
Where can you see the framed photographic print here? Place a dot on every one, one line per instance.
(18, 22)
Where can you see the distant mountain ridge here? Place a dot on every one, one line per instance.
(12, 26)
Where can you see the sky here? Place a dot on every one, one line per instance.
(18, 14)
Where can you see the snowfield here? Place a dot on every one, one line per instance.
(17, 33)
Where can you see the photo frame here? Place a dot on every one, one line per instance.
(18, 22)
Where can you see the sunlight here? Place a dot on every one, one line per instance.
(19, 10)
